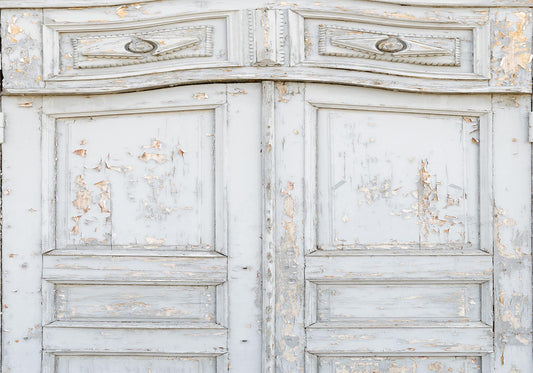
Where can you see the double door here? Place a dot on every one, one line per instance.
(270, 226)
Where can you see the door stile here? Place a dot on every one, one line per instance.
(290, 217)
(268, 127)
(512, 235)
(21, 198)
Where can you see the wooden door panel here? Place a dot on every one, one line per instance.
(145, 234)
(380, 188)
(118, 191)
(398, 207)
(186, 303)
(397, 302)
(135, 364)
(400, 363)
(396, 235)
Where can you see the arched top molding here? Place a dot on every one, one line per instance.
(119, 47)
(99, 3)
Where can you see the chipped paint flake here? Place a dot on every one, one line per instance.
(200, 96)
(155, 241)
(12, 28)
(157, 157)
(83, 200)
(81, 152)
(512, 47)
(122, 11)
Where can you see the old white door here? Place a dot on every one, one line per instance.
(150, 207)
(270, 226)
(390, 232)
(270, 222)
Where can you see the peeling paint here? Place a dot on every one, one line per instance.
(81, 152)
(159, 158)
(122, 11)
(200, 96)
(512, 46)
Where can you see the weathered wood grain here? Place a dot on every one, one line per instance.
(476, 340)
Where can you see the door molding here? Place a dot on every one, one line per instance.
(441, 49)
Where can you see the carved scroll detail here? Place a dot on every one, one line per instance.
(112, 50)
(405, 48)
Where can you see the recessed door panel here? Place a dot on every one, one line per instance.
(154, 187)
(382, 181)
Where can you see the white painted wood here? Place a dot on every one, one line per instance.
(21, 194)
(267, 37)
(290, 212)
(268, 268)
(474, 340)
(126, 302)
(103, 338)
(22, 49)
(334, 302)
(423, 364)
(244, 216)
(382, 223)
(96, 3)
(164, 363)
(445, 49)
(122, 273)
(338, 266)
(2, 128)
(350, 286)
(512, 232)
(322, 304)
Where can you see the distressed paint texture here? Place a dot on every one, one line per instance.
(344, 4)
(416, 201)
(163, 176)
(512, 234)
(22, 49)
(511, 47)
(429, 302)
(449, 49)
(282, 226)
(169, 303)
(290, 343)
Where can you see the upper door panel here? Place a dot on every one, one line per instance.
(127, 47)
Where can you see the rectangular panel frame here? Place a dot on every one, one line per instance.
(49, 164)
(485, 169)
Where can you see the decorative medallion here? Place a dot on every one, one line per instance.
(114, 49)
(141, 46)
(406, 48)
(391, 45)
